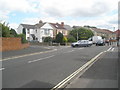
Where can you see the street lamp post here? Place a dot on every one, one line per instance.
(77, 35)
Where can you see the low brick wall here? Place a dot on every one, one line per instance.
(11, 43)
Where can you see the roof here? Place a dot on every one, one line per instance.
(117, 32)
(68, 27)
(28, 26)
(76, 27)
(102, 30)
(39, 25)
(57, 26)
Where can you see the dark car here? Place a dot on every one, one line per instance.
(100, 43)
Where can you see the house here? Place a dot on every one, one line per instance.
(36, 32)
(104, 33)
(64, 29)
(41, 30)
(28, 30)
(117, 32)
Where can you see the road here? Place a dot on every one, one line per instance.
(45, 70)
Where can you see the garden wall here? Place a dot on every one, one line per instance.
(11, 43)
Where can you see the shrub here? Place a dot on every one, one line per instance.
(59, 38)
(71, 39)
(23, 38)
(48, 39)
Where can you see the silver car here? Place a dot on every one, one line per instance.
(82, 43)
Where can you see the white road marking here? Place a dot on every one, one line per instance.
(27, 55)
(78, 48)
(109, 49)
(40, 59)
(112, 49)
(69, 51)
(2, 69)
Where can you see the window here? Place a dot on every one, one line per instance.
(46, 31)
(28, 31)
(28, 38)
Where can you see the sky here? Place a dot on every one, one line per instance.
(98, 13)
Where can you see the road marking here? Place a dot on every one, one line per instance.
(62, 83)
(40, 59)
(69, 51)
(112, 49)
(78, 48)
(109, 49)
(2, 69)
(27, 55)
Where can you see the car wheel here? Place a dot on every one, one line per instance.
(76, 45)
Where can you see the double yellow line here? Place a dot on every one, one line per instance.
(66, 80)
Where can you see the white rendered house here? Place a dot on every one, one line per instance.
(36, 32)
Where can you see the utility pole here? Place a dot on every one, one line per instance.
(77, 35)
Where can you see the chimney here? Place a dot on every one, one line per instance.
(62, 23)
(40, 21)
(57, 23)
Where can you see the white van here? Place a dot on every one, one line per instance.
(95, 39)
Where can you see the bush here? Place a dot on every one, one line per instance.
(48, 39)
(71, 39)
(65, 40)
(23, 38)
(59, 38)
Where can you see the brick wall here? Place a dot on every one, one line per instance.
(11, 43)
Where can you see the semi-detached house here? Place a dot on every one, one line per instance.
(41, 30)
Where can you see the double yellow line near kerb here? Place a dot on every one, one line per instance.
(62, 83)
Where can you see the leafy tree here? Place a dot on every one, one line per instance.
(83, 33)
(5, 30)
(71, 39)
(59, 38)
(23, 38)
(13, 32)
(90, 26)
(48, 39)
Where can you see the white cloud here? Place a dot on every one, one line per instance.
(84, 8)
(8, 6)
(59, 10)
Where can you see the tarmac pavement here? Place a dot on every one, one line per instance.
(102, 74)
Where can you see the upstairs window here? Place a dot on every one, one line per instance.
(46, 31)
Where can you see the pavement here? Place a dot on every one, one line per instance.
(102, 74)
(29, 50)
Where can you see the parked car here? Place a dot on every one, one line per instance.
(82, 43)
(100, 43)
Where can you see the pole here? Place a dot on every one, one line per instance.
(77, 35)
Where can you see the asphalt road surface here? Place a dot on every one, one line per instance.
(46, 70)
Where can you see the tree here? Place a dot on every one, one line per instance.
(71, 39)
(48, 39)
(13, 32)
(59, 38)
(83, 33)
(5, 30)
